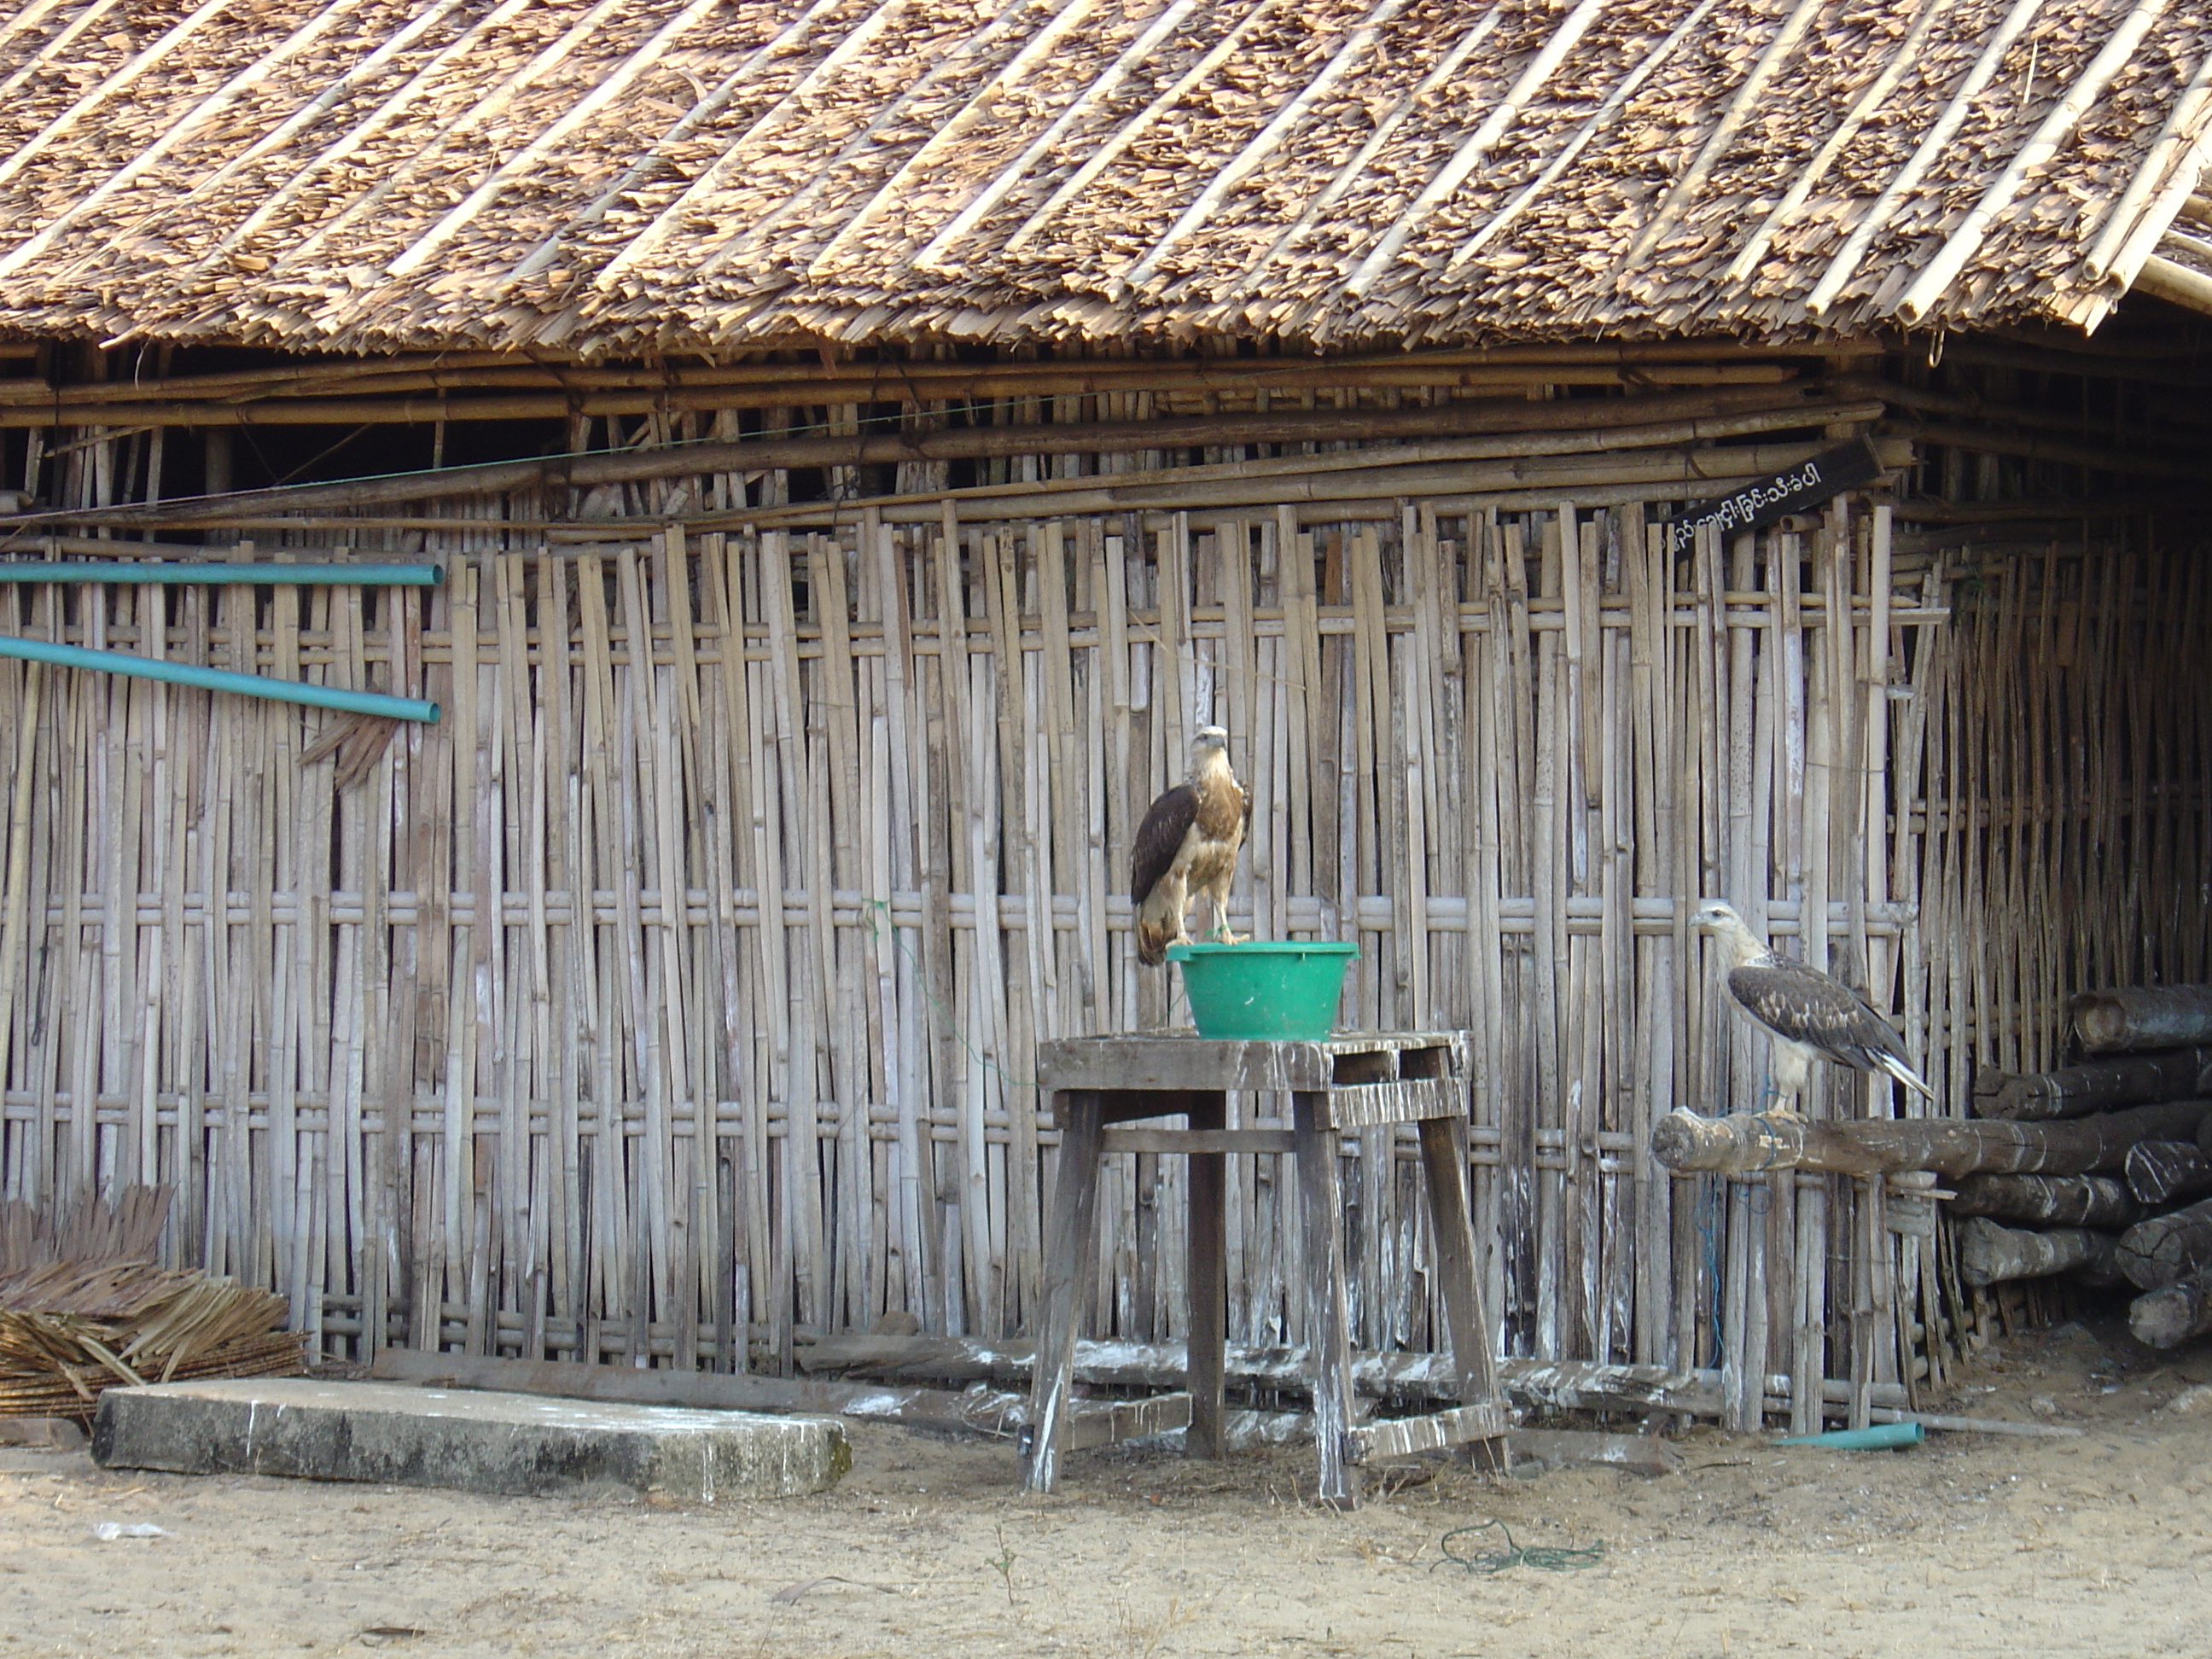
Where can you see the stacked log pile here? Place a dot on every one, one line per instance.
(2098, 1171)
(2152, 1234)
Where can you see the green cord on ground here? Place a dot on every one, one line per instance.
(1544, 1557)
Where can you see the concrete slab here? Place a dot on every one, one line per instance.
(506, 1444)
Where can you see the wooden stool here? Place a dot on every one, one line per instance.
(1346, 1082)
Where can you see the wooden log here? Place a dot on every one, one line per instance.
(1533, 1384)
(2139, 1016)
(2050, 1201)
(2161, 1172)
(1748, 1143)
(2167, 1248)
(2100, 1086)
(1055, 438)
(2169, 1316)
(992, 1413)
(1989, 1252)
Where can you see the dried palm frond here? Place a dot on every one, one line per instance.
(71, 1329)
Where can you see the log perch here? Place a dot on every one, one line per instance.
(2050, 1201)
(2169, 1316)
(2167, 1248)
(1751, 1143)
(2138, 1017)
(2161, 1172)
(2100, 1086)
(1990, 1253)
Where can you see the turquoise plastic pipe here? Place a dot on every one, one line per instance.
(1867, 1439)
(221, 679)
(177, 571)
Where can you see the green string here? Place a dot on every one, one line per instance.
(1543, 1556)
(943, 1014)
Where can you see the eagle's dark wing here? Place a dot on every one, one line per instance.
(1805, 1004)
(1159, 838)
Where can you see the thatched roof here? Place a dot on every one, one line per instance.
(623, 175)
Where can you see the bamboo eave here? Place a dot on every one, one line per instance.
(708, 177)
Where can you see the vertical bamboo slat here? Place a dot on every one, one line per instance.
(677, 996)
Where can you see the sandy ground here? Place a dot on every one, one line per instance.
(1966, 1546)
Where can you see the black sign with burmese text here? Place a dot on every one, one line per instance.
(1765, 501)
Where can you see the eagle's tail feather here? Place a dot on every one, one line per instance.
(1152, 942)
(1904, 1073)
(1159, 921)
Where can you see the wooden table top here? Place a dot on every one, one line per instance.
(1177, 1060)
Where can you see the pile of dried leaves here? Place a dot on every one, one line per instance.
(72, 1327)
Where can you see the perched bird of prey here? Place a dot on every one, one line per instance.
(1808, 1012)
(1187, 843)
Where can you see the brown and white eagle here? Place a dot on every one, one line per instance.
(1188, 841)
(1808, 1012)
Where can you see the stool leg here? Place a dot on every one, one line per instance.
(1208, 1278)
(1070, 1258)
(1328, 1320)
(1444, 1161)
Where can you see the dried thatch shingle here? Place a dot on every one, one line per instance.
(366, 175)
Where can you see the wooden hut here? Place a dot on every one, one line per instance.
(862, 439)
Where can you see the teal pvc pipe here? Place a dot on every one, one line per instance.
(220, 679)
(1872, 1438)
(178, 571)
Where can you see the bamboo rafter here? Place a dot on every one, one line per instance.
(866, 175)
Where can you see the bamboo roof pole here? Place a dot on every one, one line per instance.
(525, 159)
(1950, 260)
(758, 230)
(2183, 135)
(2138, 251)
(189, 125)
(489, 104)
(302, 119)
(58, 50)
(1478, 144)
(710, 178)
(1111, 150)
(1787, 36)
(2170, 280)
(1073, 437)
(147, 57)
(1905, 57)
(404, 95)
(1876, 219)
(1445, 68)
(23, 22)
(704, 110)
(1010, 176)
(1254, 156)
(23, 413)
(980, 106)
(919, 381)
(1598, 441)
(1615, 100)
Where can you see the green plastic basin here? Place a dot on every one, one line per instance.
(1269, 989)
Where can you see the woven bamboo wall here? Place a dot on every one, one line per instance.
(448, 1059)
